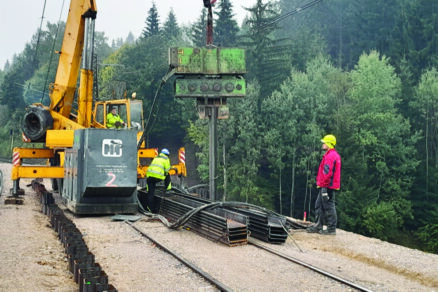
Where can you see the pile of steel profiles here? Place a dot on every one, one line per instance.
(218, 224)
(266, 227)
(81, 262)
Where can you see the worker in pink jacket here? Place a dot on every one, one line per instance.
(328, 181)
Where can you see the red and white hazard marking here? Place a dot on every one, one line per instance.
(16, 158)
(182, 157)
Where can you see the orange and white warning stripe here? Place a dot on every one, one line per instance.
(25, 139)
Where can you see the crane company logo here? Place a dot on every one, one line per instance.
(112, 148)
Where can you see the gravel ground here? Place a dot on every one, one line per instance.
(33, 259)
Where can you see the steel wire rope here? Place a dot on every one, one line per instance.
(39, 35)
(51, 55)
(147, 131)
(38, 40)
(287, 14)
(290, 236)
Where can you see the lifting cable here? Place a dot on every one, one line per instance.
(39, 35)
(287, 14)
(148, 125)
(51, 52)
(35, 55)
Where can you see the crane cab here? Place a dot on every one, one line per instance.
(130, 110)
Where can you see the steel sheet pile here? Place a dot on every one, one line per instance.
(228, 224)
(81, 262)
(217, 224)
(262, 225)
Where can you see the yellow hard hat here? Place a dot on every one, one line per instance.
(329, 140)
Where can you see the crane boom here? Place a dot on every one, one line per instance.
(82, 14)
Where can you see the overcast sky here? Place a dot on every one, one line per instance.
(20, 19)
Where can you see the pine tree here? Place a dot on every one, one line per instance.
(198, 33)
(152, 23)
(171, 28)
(225, 29)
(267, 57)
(130, 39)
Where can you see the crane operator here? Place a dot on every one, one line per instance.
(113, 120)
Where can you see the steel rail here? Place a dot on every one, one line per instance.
(193, 267)
(309, 266)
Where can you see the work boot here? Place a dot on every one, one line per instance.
(327, 232)
(313, 229)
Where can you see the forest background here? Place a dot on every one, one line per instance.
(365, 71)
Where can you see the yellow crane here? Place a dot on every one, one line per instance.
(54, 130)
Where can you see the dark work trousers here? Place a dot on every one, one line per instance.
(325, 211)
(152, 181)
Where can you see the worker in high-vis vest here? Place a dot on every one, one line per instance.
(113, 120)
(158, 171)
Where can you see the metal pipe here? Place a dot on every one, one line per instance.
(212, 125)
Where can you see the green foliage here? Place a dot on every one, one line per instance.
(428, 234)
(10, 121)
(424, 196)
(245, 151)
(382, 145)
(101, 48)
(198, 134)
(379, 220)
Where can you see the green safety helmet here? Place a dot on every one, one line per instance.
(329, 140)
